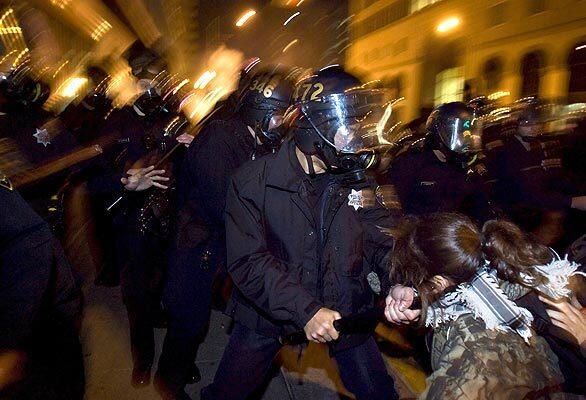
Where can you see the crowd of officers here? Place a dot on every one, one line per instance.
(275, 208)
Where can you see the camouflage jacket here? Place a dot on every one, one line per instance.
(471, 362)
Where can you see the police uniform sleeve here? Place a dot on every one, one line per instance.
(262, 278)
(401, 176)
(378, 242)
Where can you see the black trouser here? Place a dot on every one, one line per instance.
(187, 298)
(141, 260)
(249, 355)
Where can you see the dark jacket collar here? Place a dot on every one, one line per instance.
(285, 172)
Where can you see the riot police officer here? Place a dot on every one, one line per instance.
(40, 307)
(299, 226)
(139, 247)
(441, 175)
(531, 185)
(198, 253)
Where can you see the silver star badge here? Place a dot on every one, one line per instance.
(355, 199)
(43, 137)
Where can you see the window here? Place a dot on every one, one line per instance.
(492, 74)
(577, 67)
(384, 17)
(497, 14)
(417, 5)
(531, 65)
(449, 85)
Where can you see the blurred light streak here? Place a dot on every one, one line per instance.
(291, 18)
(292, 43)
(100, 30)
(70, 88)
(7, 55)
(12, 29)
(179, 86)
(59, 68)
(226, 64)
(141, 20)
(581, 47)
(448, 24)
(245, 17)
(498, 95)
(251, 65)
(204, 79)
(61, 3)
(19, 57)
(299, 3)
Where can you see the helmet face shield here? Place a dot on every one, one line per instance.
(356, 121)
(462, 135)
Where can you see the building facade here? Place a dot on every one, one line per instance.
(433, 51)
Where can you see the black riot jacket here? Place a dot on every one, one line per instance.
(221, 147)
(290, 255)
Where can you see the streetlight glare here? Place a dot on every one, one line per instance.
(245, 17)
(448, 24)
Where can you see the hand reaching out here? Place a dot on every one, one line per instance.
(140, 179)
(569, 317)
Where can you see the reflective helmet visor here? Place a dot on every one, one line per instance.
(461, 135)
(356, 121)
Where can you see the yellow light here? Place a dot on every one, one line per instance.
(100, 30)
(498, 95)
(19, 57)
(204, 79)
(448, 24)
(245, 17)
(60, 3)
(71, 86)
(293, 42)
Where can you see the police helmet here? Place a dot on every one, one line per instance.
(338, 119)
(532, 115)
(151, 83)
(452, 127)
(263, 102)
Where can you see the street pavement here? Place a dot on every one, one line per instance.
(311, 375)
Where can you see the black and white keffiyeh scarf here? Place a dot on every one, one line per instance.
(483, 298)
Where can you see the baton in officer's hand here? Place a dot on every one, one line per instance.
(364, 322)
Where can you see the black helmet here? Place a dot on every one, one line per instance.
(263, 102)
(338, 119)
(481, 105)
(152, 81)
(532, 115)
(97, 98)
(452, 127)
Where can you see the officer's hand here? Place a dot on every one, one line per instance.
(321, 327)
(185, 138)
(579, 203)
(144, 178)
(397, 305)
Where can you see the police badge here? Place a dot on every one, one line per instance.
(355, 199)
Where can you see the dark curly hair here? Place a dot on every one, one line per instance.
(452, 246)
